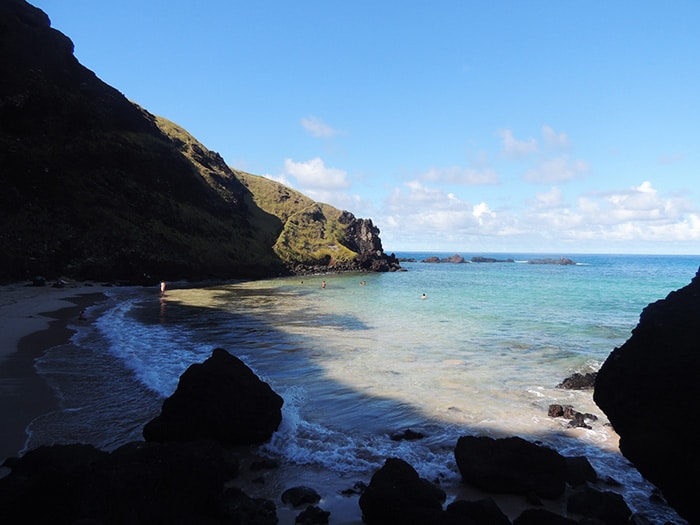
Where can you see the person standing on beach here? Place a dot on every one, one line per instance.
(162, 288)
(323, 284)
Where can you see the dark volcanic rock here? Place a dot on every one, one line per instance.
(511, 465)
(608, 507)
(649, 390)
(239, 508)
(453, 259)
(578, 381)
(407, 435)
(397, 495)
(483, 511)
(312, 515)
(542, 517)
(577, 419)
(139, 483)
(220, 399)
(480, 259)
(297, 496)
(562, 260)
(579, 471)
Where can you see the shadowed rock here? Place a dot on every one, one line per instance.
(397, 495)
(220, 399)
(649, 390)
(139, 483)
(511, 465)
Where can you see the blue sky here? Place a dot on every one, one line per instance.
(459, 126)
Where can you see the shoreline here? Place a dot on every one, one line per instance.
(35, 319)
(32, 320)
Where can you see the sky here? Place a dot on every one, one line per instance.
(468, 126)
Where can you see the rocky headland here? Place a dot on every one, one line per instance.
(94, 187)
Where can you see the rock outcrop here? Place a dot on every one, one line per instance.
(397, 495)
(220, 399)
(649, 390)
(511, 465)
(452, 259)
(139, 483)
(564, 261)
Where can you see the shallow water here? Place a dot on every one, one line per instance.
(482, 354)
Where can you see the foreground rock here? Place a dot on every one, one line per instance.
(511, 465)
(397, 495)
(649, 390)
(182, 477)
(220, 399)
(139, 483)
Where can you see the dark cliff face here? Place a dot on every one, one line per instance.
(362, 234)
(649, 390)
(93, 186)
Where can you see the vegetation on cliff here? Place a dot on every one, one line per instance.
(94, 186)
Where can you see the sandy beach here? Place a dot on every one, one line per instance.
(32, 320)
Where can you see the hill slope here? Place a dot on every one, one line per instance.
(94, 186)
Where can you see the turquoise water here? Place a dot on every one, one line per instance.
(481, 354)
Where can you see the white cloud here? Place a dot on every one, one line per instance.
(551, 199)
(317, 127)
(427, 217)
(514, 148)
(482, 212)
(314, 175)
(554, 139)
(637, 214)
(557, 169)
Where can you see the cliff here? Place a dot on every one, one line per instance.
(96, 187)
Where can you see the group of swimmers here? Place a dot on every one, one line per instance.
(362, 283)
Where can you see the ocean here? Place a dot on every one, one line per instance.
(368, 356)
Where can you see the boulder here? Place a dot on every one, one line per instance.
(236, 507)
(312, 515)
(397, 495)
(605, 507)
(480, 512)
(579, 471)
(220, 399)
(649, 390)
(576, 419)
(543, 517)
(577, 381)
(511, 465)
(297, 496)
(139, 483)
(407, 435)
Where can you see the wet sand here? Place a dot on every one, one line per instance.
(32, 320)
